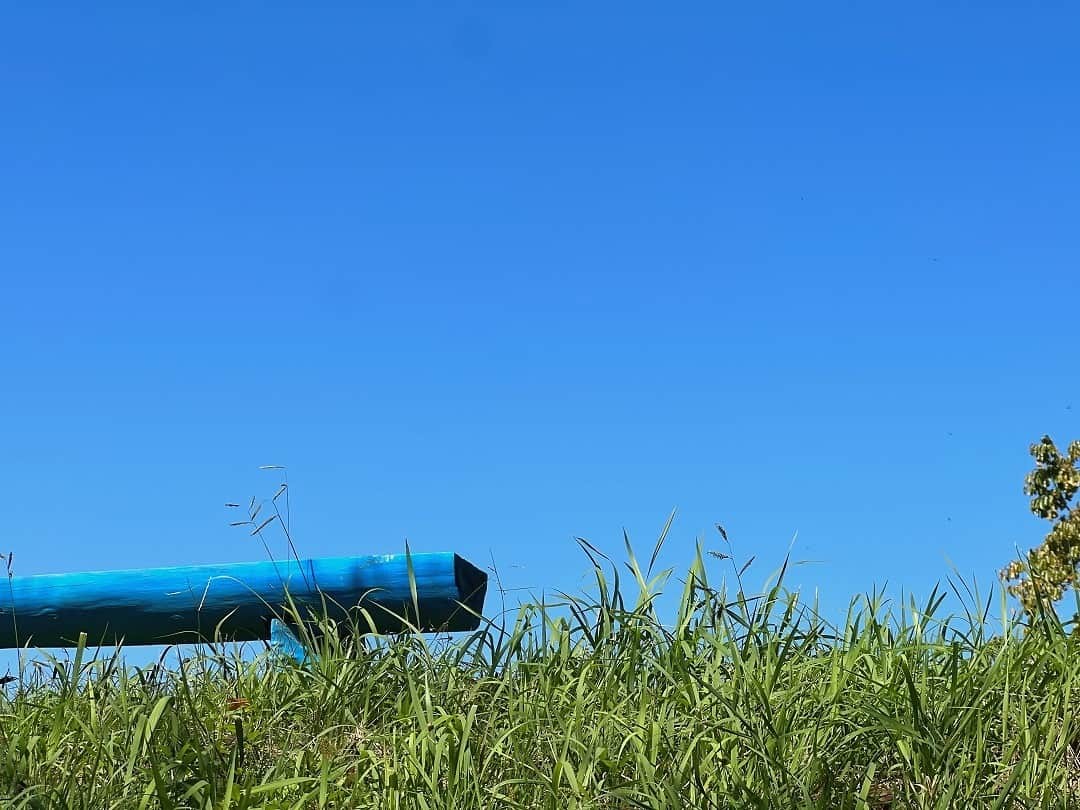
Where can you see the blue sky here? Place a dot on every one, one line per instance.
(490, 278)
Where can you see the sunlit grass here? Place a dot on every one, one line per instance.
(592, 702)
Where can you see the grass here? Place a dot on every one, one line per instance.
(591, 702)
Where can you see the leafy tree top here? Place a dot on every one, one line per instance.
(1043, 576)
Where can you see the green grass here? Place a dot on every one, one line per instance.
(589, 703)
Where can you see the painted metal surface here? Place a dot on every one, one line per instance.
(238, 600)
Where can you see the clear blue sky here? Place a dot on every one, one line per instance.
(489, 278)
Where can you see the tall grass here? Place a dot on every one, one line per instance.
(590, 702)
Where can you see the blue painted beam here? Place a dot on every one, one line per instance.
(190, 603)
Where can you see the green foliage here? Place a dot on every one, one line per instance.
(591, 702)
(1050, 569)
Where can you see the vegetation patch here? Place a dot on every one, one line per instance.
(589, 702)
